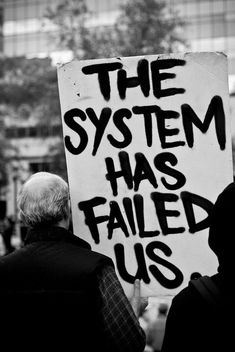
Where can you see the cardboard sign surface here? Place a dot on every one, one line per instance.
(148, 150)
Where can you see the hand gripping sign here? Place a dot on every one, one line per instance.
(148, 149)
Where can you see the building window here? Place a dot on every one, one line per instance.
(218, 6)
(230, 5)
(32, 131)
(22, 132)
(205, 29)
(11, 132)
(219, 28)
(205, 7)
(231, 28)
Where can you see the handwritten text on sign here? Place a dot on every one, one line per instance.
(148, 150)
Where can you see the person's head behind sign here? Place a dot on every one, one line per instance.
(44, 201)
(221, 238)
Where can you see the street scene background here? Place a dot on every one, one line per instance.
(37, 35)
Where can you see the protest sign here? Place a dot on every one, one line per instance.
(148, 149)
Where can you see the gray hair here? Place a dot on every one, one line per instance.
(43, 200)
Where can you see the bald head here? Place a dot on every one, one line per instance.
(44, 200)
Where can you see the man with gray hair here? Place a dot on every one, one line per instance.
(61, 294)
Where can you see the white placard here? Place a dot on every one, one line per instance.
(148, 150)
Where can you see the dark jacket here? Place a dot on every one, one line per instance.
(49, 294)
(191, 324)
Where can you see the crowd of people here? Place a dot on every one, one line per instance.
(57, 292)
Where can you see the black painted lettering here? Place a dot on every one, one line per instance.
(118, 117)
(141, 272)
(127, 203)
(147, 112)
(190, 199)
(142, 79)
(139, 208)
(103, 75)
(116, 220)
(125, 172)
(143, 171)
(100, 125)
(162, 116)
(90, 219)
(165, 282)
(160, 161)
(157, 77)
(215, 110)
(71, 123)
(159, 200)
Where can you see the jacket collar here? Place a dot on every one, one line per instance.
(54, 233)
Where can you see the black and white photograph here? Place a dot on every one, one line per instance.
(117, 178)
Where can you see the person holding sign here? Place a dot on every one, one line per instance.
(63, 295)
(200, 315)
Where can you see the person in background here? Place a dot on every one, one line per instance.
(156, 329)
(7, 231)
(193, 322)
(62, 294)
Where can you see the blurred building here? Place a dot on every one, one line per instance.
(209, 26)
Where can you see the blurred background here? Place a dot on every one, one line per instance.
(36, 35)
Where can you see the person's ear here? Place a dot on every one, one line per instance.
(69, 209)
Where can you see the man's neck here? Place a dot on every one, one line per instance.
(63, 223)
